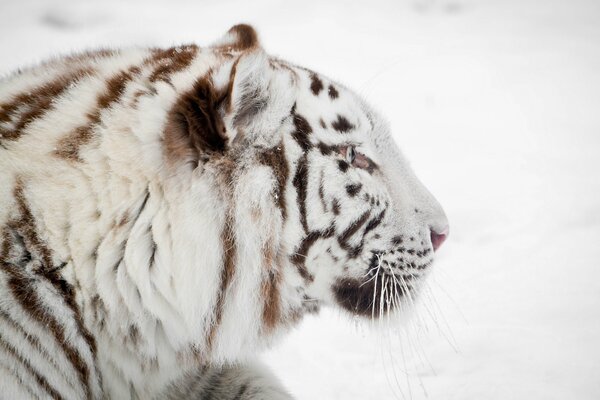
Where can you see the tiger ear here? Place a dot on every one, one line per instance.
(240, 37)
(222, 104)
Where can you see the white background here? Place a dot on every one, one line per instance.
(497, 105)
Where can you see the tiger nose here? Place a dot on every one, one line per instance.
(438, 237)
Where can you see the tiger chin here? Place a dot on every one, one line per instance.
(165, 214)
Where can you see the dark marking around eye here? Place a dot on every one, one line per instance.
(333, 93)
(353, 189)
(315, 84)
(343, 165)
(323, 124)
(341, 124)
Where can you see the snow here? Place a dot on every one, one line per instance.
(497, 104)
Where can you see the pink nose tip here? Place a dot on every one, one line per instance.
(437, 238)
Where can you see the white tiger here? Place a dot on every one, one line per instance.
(167, 213)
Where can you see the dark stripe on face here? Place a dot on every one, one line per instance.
(335, 206)
(170, 61)
(325, 149)
(300, 182)
(41, 381)
(227, 270)
(28, 107)
(302, 131)
(342, 125)
(355, 251)
(353, 228)
(299, 257)
(322, 192)
(374, 223)
(316, 85)
(69, 146)
(333, 93)
(343, 165)
(276, 160)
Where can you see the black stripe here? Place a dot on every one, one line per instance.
(301, 184)
(374, 223)
(299, 256)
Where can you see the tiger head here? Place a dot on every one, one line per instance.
(320, 188)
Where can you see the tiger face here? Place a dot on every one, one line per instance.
(367, 228)
(354, 226)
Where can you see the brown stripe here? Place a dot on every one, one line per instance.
(270, 290)
(33, 340)
(25, 293)
(68, 147)
(24, 290)
(276, 160)
(227, 270)
(19, 379)
(25, 108)
(38, 378)
(170, 61)
(27, 225)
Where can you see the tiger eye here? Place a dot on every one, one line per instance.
(350, 154)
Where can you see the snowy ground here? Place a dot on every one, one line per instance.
(497, 103)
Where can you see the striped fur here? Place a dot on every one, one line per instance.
(167, 213)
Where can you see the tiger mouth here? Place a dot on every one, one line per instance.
(388, 285)
(377, 294)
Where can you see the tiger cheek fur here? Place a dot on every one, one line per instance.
(166, 213)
